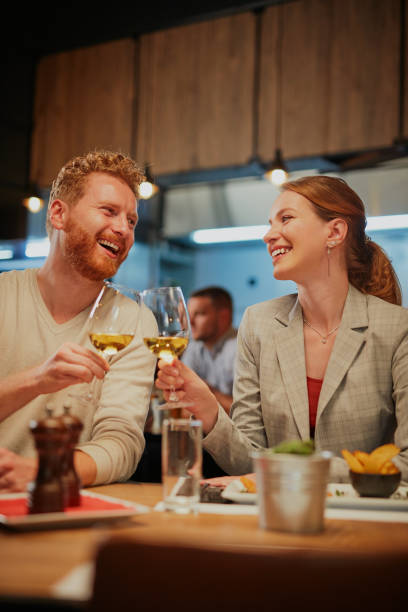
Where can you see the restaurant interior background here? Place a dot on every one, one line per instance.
(205, 95)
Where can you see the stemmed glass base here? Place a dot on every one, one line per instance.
(90, 396)
(175, 405)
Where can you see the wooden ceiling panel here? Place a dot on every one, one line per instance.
(84, 100)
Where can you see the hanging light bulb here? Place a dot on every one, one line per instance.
(147, 188)
(33, 203)
(276, 172)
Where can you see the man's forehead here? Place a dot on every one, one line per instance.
(200, 302)
(111, 189)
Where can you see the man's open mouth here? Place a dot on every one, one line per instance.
(112, 248)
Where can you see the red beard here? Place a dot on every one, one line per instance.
(81, 252)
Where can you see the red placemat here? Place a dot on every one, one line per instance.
(18, 505)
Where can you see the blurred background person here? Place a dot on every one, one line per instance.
(212, 349)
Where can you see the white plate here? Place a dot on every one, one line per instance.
(235, 491)
(60, 520)
(344, 496)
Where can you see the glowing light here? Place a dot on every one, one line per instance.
(33, 204)
(6, 254)
(387, 222)
(147, 190)
(277, 176)
(37, 248)
(257, 232)
(229, 234)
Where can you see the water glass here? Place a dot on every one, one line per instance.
(181, 464)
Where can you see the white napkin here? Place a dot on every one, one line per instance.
(350, 514)
(217, 508)
(77, 584)
(346, 514)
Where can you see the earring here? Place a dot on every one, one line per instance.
(330, 245)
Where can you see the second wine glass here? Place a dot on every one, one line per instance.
(173, 333)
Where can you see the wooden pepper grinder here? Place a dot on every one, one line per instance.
(70, 479)
(46, 493)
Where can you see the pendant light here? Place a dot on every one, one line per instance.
(33, 200)
(33, 204)
(148, 187)
(276, 172)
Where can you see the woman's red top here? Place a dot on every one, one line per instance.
(314, 387)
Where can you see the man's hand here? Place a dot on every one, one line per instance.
(71, 364)
(15, 471)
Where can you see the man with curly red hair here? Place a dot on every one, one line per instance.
(91, 217)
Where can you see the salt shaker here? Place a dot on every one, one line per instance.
(70, 479)
(46, 493)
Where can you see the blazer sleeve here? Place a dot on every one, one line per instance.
(400, 397)
(232, 440)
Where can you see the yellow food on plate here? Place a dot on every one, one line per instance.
(248, 484)
(361, 456)
(353, 462)
(389, 468)
(376, 462)
(379, 457)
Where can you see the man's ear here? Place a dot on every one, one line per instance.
(57, 214)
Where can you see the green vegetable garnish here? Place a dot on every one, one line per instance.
(295, 447)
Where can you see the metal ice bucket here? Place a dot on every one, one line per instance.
(291, 490)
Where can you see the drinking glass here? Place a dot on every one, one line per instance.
(173, 332)
(112, 324)
(181, 464)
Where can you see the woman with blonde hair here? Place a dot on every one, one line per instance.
(329, 362)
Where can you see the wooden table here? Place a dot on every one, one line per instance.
(31, 562)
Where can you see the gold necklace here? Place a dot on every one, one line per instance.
(324, 338)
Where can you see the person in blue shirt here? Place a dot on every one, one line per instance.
(212, 349)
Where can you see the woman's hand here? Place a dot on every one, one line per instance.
(191, 388)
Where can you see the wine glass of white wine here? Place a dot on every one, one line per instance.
(112, 324)
(173, 333)
(113, 318)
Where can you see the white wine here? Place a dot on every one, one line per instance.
(110, 344)
(166, 347)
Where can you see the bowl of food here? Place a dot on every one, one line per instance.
(375, 485)
(374, 474)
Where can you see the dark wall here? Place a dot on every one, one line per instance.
(33, 30)
(16, 104)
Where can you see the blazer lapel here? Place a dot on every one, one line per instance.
(349, 340)
(291, 356)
